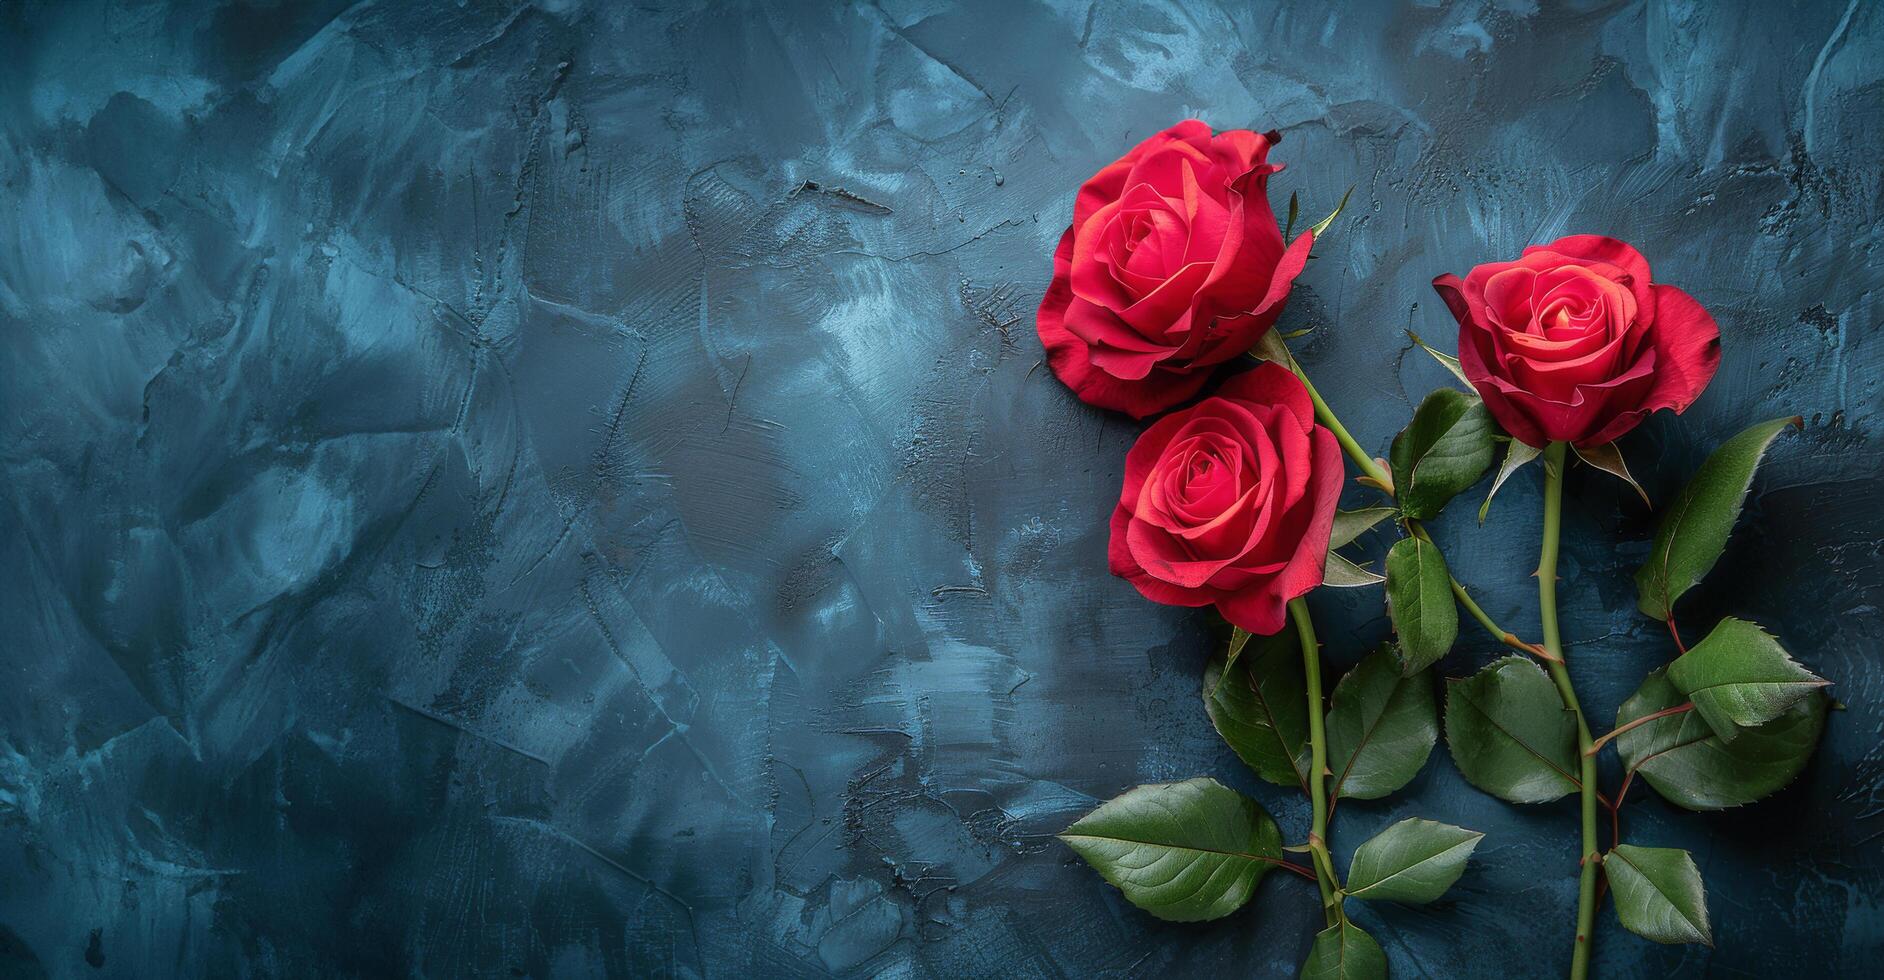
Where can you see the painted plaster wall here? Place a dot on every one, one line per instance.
(569, 488)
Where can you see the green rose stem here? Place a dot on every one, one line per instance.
(1628, 777)
(1551, 652)
(1560, 673)
(1384, 480)
(1465, 599)
(1317, 764)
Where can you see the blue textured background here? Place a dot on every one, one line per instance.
(568, 488)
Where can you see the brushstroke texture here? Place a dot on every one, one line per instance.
(568, 488)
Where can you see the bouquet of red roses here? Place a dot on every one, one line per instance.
(1173, 275)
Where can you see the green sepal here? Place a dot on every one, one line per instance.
(1608, 458)
(1446, 361)
(1351, 524)
(1517, 454)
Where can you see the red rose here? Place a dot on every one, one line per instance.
(1173, 264)
(1231, 501)
(1573, 342)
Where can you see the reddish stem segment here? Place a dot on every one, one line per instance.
(1615, 811)
(1645, 719)
(1672, 631)
(1290, 866)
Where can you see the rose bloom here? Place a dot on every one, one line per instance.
(1231, 502)
(1574, 342)
(1173, 264)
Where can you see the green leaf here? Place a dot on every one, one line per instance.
(1608, 458)
(1239, 640)
(1339, 573)
(1658, 893)
(1693, 531)
(1184, 851)
(1381, 728)
(1259, 704)
(1271, 347)
(1412, 861)
(1516, 455)
(1739, 677)
(1691, 767)
(1343, 952)
(1351, 524)
(1419, 601)
(1446, 361)
(1295, 208)
(1445, 449)
(1509, 733)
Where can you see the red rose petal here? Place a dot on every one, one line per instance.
(1119, 558)
(1687, 343)
(1173, 264)
(1069, 357)
(1270, 383)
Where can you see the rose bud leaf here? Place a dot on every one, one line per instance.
(1510, 734)
(1368, 481)
(1419, 601)
(1351, 524)
(1413, 861)
(1184, 852)
(1445, 449)
(1343, 952)
(1739, 677)
(1271, 347)
(1691, 767)
(1381, 728)
(1339, 573)
(1516, 456)
(1694, 529)
(1608, 458)
(1259, 704)
(1446, 361)
(1239, 640)
(1659, 895)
